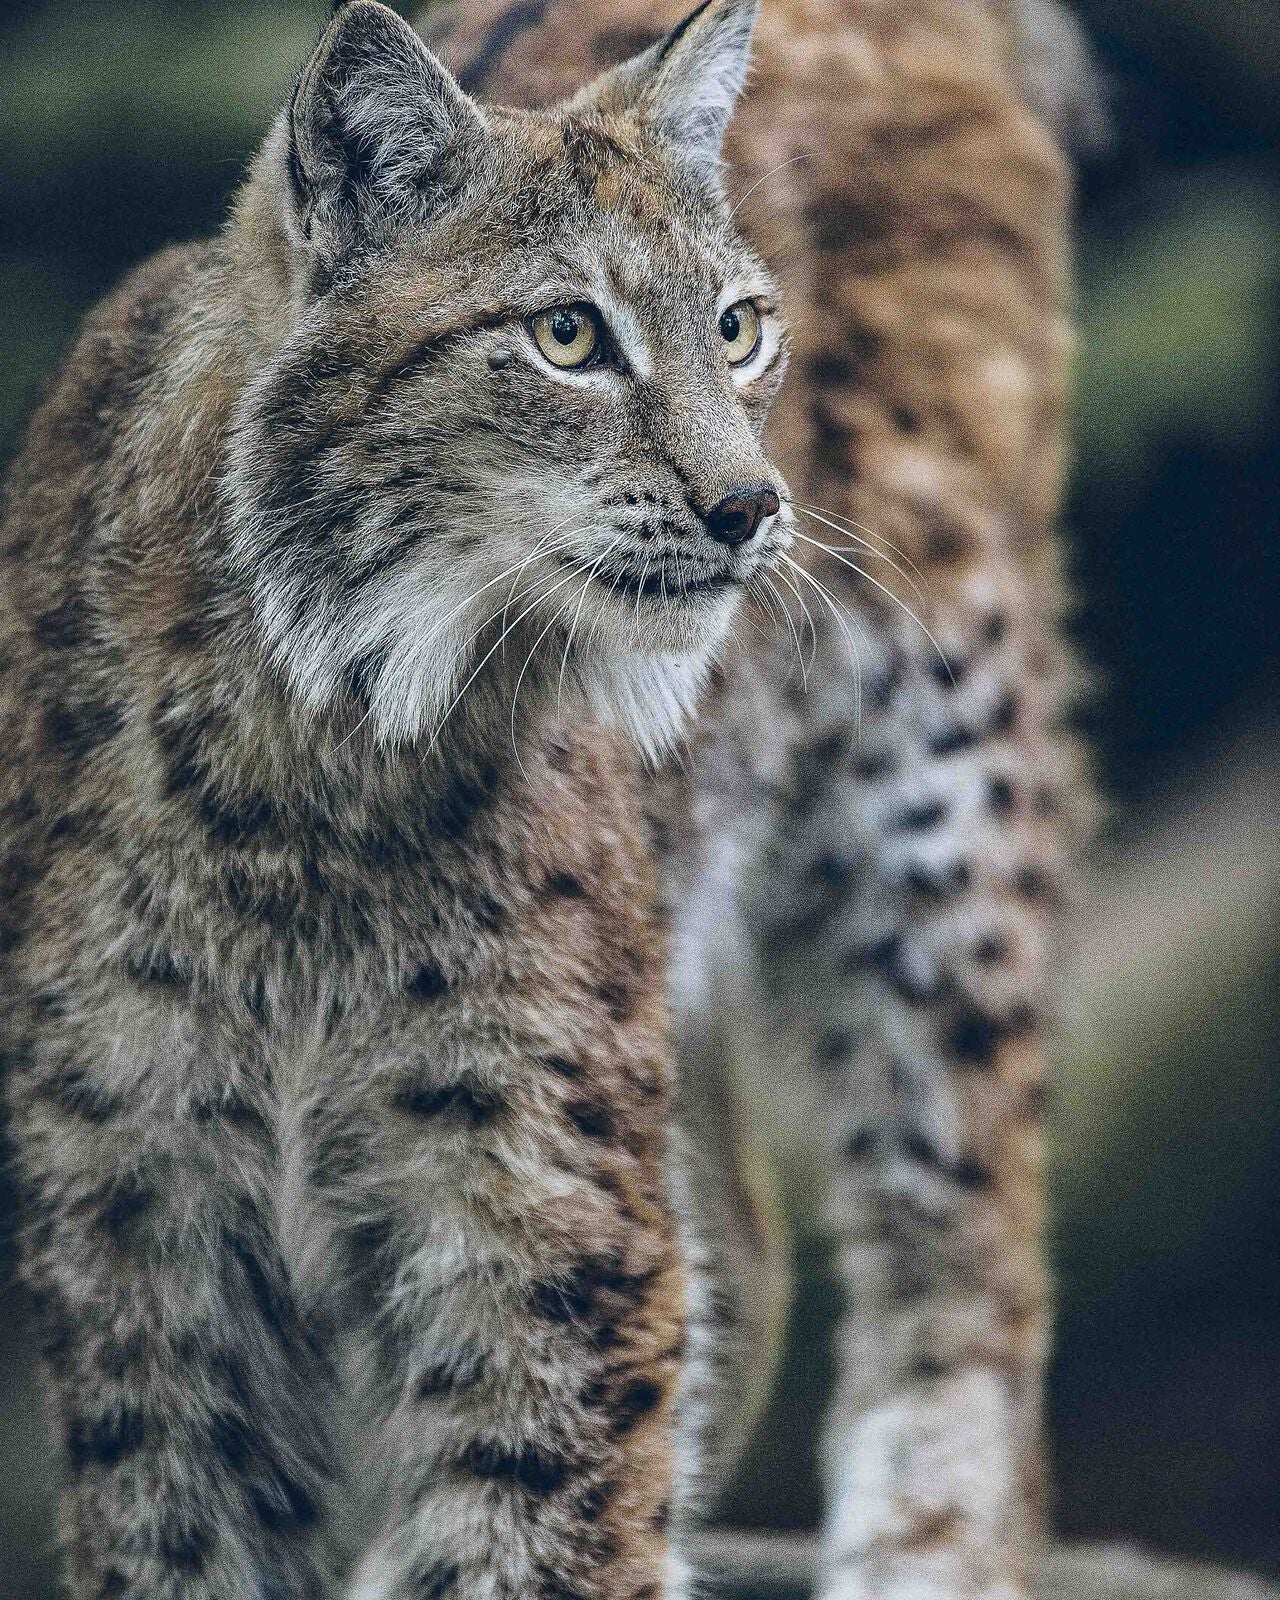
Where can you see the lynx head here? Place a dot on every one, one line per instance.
(512, 372)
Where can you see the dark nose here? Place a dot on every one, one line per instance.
(735, 519)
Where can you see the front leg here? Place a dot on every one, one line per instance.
(513, 1255)
(185, 1384)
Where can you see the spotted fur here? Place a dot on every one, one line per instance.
(334, 961)
(873, 868)
(339, 1071)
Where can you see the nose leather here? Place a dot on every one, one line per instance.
(735, 518)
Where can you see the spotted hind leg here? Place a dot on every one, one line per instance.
(915, 954)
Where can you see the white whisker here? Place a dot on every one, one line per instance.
(853, 567)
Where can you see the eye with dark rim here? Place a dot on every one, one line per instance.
(568, 336)
(740, 330)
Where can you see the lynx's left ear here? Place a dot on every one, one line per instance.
(686, 86)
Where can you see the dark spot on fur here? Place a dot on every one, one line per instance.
(928, 1367)
(440, 1380)
(919, 818)
(943, 544)
(937, 882)
(464, 797)
(640, 1397)
(156, 968)
(1034, 884)
(1000, 796)
(831, 370)
(428, 983)
(618, 998)
(951, 741)
(886, 684)
(469, 1101)
(232, 1440)
(595, 1121)
(102, 1441)
(948, 671)
(861, 1143)
(189, 633)
(236, 822)
(51, 1004)
(535, 1471)
(184, 1549)
(65, 627)
(1047, 802)
(836, 1045)
(563, 1067)
(76, 731)
(974, 1038)
(253, 993)
(995, 628)
(596, 1295)
(435, 1581)
(76, 1093)
(990, 950)
(268, 1289)
(921, 1149)
(832, 872)
(593, 1502)
(234, 1111)
(566, 885)
(282, 1504)
(1037, 1101)
(871, 768)
(1005, 716)
(126, 1203)
(973, 1175)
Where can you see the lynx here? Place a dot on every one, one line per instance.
(438, 733)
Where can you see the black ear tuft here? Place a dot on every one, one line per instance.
(686, 85)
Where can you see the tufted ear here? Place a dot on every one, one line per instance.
(685, 86)
(373, 113)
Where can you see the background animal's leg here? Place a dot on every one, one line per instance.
(739, 1226)
(926, 839)
(188, 1392)
(511, 1249)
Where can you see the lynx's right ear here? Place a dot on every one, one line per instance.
(371, 118)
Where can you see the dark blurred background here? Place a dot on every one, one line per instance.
(125, 126)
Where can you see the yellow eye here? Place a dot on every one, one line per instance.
(567, 335)
(740, 330)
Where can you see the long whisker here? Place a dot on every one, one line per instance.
(808, 616)
(835, 608)
(879, 539)
(582, 600)
(816, 516)
(805, 155)
(475, 673)
(775, 604)
(461, 606)
(902, 604)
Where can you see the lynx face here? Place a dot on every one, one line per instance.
(519, 385)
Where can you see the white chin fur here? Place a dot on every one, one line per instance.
(645, 668)
(640, 667)
(649, 697)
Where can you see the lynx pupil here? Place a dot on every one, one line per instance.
(730, 325)
(565, 327)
